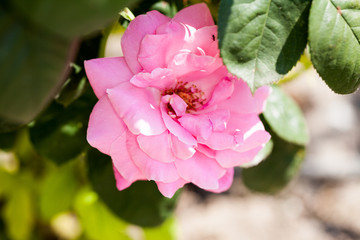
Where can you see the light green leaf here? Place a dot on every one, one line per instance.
(334, 39)
(18, 214)
(261, 40)
(285, 117)
(70, 18)
(32, 66)
(97, 220)
(58, 190)
(164, 231)
(276, 171)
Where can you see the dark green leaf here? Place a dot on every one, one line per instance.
(261, 40)
(32, 66)
(334, 38)
(141, 203)
(70, 18)
(73, 87)
(275, 172)
(7, 140)
(285, 117)
(59, 134)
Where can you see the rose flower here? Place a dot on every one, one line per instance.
(169, 111)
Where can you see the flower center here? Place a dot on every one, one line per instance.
(190, 93)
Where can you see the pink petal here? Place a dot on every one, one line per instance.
(174, 127)
(138, 108)
(192, 66)
(204, 42)
(211, 153)
(153, 52)
(261, 95)
(177, 104)
(157, 50)
(152, 169)
(169, 189)
(197, 15)
(104, 73)
(122, 160)
(134, 34)
(219, 141)
(104, 126)
(197, 125)
(157, 147)
(242, 100)
(161, 78)
(256, 139)
(223, 90)
(225, 182)
(180, 149)
(121, 183)
(200, 170)
(231, 158)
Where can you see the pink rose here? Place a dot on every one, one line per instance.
(169, 110)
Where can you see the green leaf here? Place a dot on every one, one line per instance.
(96, 219)
(70, 18)
(7, 183)
(73, 87)
(164, 231)
(334, 39)
(18, 214)
(32, 66)
(141, 203)
(7, 140)
(275, 172)
(60, 187)
(59, 134)
(260, 41)
(285, 117)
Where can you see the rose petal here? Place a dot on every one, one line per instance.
(174, 127)
(231, 158)
(138, 108)
(161, 78)
(197, 15)
(242, 101)
(192, 66)
(177, 104)
(121, 183)
(222, 91)
(169, 189)
(225, 182)
(180, 149)
(122, 160)
(104, 73)
(200, 170)
(152, 52)
(152, 169)
(157, 147)
(261, 95)
(197, 125)
(158, 50)
(134, 34)
(104, 126)
(204, 42)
